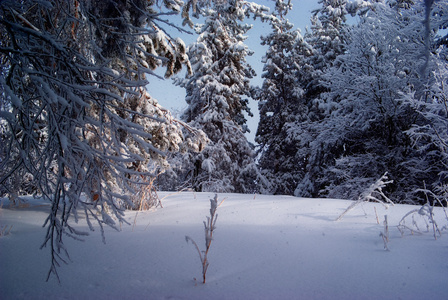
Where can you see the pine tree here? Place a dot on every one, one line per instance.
(217, 100)
(281, 107)
(326, 41)
(328, 26)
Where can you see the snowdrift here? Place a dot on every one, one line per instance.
(264, 247)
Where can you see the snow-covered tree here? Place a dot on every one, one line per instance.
(328, 25)
(315, 54)
(364, 131)
(217, 99)
(78, 117)
(430, 134)
(295, 67)
(280, 106)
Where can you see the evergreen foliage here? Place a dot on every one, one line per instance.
(339, 106)
(327, 38)
(294, 67)
(217, 100)
(281, 103)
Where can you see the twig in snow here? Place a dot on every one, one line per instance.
(376, 215)
(5, 230)
(427, 212)
(373, 193)
(385, 233)
(209, 227)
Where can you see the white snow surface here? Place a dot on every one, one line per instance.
(264, 247)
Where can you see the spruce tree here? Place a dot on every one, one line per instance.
(217, 96)
(281, 104)
(326, 40)
(328, 25)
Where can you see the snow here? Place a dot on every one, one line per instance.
(264, 247)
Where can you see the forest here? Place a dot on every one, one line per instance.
(341, 104)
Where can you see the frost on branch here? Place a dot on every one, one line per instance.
(365, 124)
(75, 112)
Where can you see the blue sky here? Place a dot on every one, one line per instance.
(173, 97)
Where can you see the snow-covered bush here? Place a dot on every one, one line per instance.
(430, 134)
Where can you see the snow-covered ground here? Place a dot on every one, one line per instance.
(264, 247)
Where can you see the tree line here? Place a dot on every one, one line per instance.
(339, 106)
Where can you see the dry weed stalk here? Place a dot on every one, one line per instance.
(427, 213)
(385, 233)
(5, 230)
(376, 215)
(373, 193)
(209, 227)
(147, 198)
